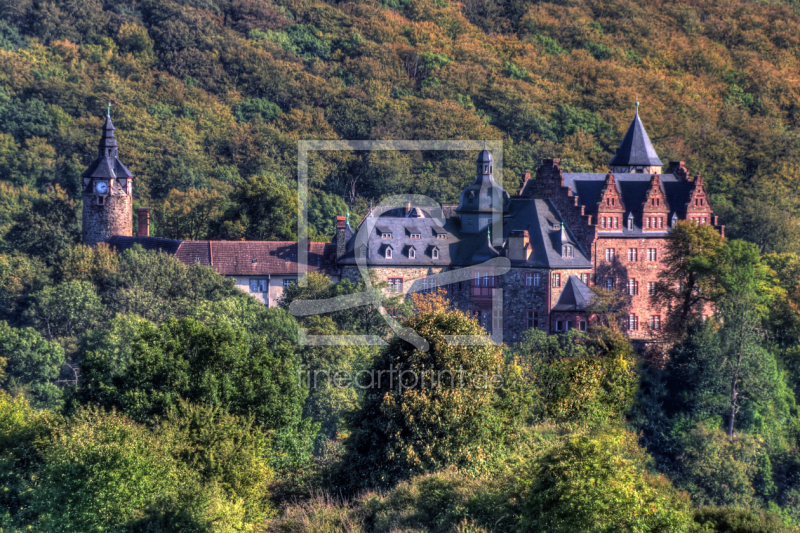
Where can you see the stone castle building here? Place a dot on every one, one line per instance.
(556, 236)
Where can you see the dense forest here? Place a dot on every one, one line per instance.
(211, 96)
(140, 394)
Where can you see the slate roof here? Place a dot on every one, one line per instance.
(633, 190)
(236, 258)
(107, 166)
(636, 148)
(576, 296)
(539, 217)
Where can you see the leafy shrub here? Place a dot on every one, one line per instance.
(600, 483)
(416, 424)
(252, 108)
(32, 365)
(737, 520)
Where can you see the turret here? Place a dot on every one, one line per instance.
(636, 152)
(480, 202)
(107, 192)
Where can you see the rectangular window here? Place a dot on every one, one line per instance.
(559, 325)
(568, 251)
(651, 288)
(556, 280)
(537, 279)
(259, 285)
(568, 325)
(395, 285)
(633, 287)
(386, 235)
(610, 253)
(652, 254)
(603, 225)
(532, 317)
(289, 281)
(655, 322)
(660, 222)
(497, 319)
(633, 255)
(633, 322)
(416, 236)
(585, 278)
(616, 222)
(611, 283)
(582, 325)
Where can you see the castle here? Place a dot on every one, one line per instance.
(561, 232)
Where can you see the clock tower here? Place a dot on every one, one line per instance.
(107, 193)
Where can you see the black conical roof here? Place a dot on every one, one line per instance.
(107, 166)
(636, 148)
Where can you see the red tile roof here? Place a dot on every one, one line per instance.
(257, 258)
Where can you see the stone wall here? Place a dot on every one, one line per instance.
(100, 222)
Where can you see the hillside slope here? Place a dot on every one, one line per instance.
(208, 93)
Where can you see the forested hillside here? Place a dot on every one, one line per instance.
(207, 94)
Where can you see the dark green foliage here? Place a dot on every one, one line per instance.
(737, 520)
(264, 210)
(253, 108)
(204, 364)
(413, 424)
(48, 228)
(32, 365)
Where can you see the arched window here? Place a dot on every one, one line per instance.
(412, 253)
(388, 253)
(435, 253)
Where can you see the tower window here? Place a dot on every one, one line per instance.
(101, 200)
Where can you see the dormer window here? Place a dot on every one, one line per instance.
(568, 251)
(388, 253)
(412, 253)
(441, 235)
(386, 235)
(435, 253)
(416, 236)
(630, 221)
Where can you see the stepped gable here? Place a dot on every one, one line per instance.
(576, 296)
(550, 183)
(634, 188)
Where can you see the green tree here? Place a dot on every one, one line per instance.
(210, 365)
(687, 281)
(65, 310)
(600, 484)
(188, 215)
(264, 210)
(47, 228)
(425, 422)
(32, 365)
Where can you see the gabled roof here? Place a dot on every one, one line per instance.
(636, 148)
(576, 296)
(238, 258)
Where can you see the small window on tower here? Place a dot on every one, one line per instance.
(101, 200)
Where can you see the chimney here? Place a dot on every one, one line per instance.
(408, 208)
(519, 247)
(144, 222)
(678, 168)
(341, 236)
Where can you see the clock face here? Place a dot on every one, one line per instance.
(101, 187)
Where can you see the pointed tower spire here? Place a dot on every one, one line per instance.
(636, 152)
